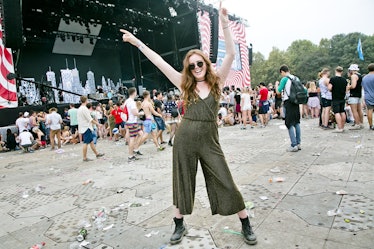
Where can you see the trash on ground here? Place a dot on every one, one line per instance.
(135, 205)
(119, 191)
(249, 205)
(279, 179)
(84, 243)
(87, 181)
(148, 235)
(232, 232)
(359, 146)
(60, 151)
(82, 234)
(341, 192)
(84, 224)
(25, 194)
(362, 211)
(264, 198)
(39, 188)
(347, 220)
(316, 154)
(334, 212)
(38, 246)
(108, 227)
(275, 170)
(270, 179)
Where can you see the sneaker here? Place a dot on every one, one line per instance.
(132, 159)
(299, 146)
(161, 148)
(99, 155)
(293, 149)
(87, 160)
(163, 142)
(372, 128)
(170, 143)
(337, 130)
(355, 127)
(137, 152)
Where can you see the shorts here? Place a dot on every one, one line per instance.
(101, 121)
(149, 126)
(122, 125)
(325, 102)
(338, 106)
(237, 108)
(369, 107)
(87, 136)
(133, 129)
(354, 100)
(73, 128)
(247, 108)
(264, 107)
(278, 103)
(160, 123)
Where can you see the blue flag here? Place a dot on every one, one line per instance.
(359, 50)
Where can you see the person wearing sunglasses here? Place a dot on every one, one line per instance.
(197, 136)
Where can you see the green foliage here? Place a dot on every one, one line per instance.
(306, 59)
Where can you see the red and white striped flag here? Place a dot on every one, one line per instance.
(8, 89)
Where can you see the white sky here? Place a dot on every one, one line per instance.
(277, 23)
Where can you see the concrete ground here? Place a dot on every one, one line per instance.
(48, 196)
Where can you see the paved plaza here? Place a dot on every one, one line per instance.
(48, 196)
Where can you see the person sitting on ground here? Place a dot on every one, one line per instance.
(40, 137)
(66, 136)
(10, 140)
(2, 145)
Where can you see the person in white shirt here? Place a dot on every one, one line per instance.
(54, 120)
(26, 141)
(132, 125)
(22, 122)
(85, 127)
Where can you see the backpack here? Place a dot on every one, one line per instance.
(298, 94)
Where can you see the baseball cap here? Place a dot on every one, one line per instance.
(353, 67)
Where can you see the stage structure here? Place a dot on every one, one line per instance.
(240, 73)
(88, 32)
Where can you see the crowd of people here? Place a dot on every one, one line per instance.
(334, 100)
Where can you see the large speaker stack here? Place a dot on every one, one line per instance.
(12, 23)
(214, 20)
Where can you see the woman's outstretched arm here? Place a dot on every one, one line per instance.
(173, 75)
(224, 70)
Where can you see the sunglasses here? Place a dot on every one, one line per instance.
(198, 64)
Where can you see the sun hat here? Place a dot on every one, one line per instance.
(26, 114)
(353, 67)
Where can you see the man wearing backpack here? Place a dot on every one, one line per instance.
(292, 111)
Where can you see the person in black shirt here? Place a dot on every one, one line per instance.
(354, 100)
(338, 88)
(159, 121)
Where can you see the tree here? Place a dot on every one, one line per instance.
(306, 59)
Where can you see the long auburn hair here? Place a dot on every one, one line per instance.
(188, 85)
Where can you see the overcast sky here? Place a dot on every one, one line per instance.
(277, 23)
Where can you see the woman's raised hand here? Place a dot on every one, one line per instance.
(224, 17)
(129, 37)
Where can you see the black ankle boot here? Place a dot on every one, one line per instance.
(248, 234)
(179, 232)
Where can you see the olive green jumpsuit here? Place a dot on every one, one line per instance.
(197, 140)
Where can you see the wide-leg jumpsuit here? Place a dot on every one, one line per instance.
(197, 140)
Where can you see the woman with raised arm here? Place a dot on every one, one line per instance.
(197, 136)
